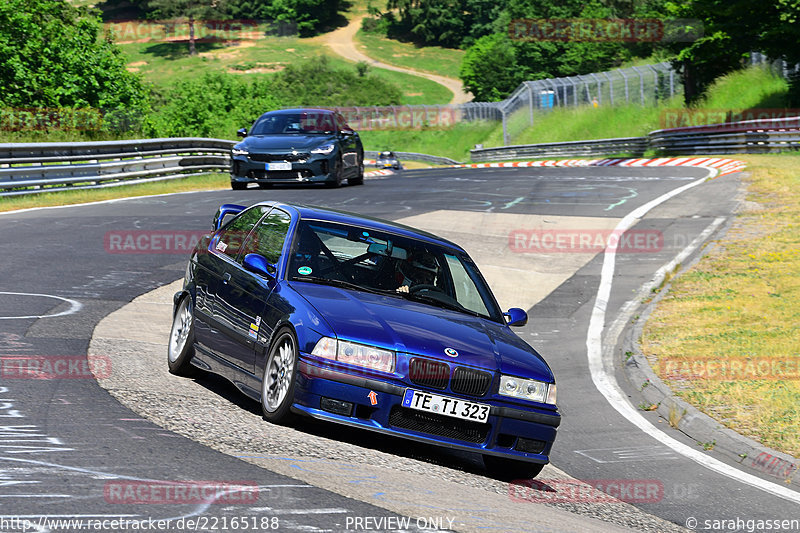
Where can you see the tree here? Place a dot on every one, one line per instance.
(732, 29)
(193, 10)
(489, 68)
(51, 56)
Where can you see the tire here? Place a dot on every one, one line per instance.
(510, 469)
(359, 179)
(337, 173)
(237, 186)
(278, 380)
(180, 348)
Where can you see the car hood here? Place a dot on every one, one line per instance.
(419, 329)
(284, 143)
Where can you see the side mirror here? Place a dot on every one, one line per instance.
(258, 264)
(241, 132)
(516, 317)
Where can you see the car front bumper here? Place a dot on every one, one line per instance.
(316, 168)
(520, 434)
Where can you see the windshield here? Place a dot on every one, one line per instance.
(293, 123)
(374, 261)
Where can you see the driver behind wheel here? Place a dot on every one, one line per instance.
(418, 269)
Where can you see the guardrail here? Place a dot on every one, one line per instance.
(635, 146)
(413, 156)
(746, 137)
(27, 168)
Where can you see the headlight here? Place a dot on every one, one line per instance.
(355, 354)
(239, 151)
(528, 389)
(324, 149)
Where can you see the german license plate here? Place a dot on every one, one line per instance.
(283, 165)
(443, 405)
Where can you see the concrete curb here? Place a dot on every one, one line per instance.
(684, 416)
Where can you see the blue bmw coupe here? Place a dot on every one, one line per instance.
(366, 323)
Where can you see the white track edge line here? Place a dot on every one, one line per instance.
(607, 386)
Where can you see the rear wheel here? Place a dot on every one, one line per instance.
(510, 469)
(277, 383)
(181, 341)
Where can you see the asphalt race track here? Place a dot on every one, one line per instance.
(71, 450)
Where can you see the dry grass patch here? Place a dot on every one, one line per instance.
(736, 312)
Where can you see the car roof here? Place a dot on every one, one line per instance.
(312, 212)
(300, 110)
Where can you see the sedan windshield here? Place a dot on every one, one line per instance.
(288, 123)
(373, 261)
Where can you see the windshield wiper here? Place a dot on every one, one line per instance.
(342, 284)
(440, 303)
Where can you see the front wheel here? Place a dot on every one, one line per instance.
(338, 171)
(181, 341)
(510, 469)
(238, 186)
(277, 383)
(359, 179)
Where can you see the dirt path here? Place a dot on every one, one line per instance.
(342, 42)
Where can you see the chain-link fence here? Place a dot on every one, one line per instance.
(647, 85)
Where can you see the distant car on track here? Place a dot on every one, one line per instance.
(388, 160)
(366, 323)
(298, 146)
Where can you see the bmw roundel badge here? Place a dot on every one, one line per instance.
(451, 352)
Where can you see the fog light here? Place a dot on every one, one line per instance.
(337, 407)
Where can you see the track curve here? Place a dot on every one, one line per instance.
(91, 433)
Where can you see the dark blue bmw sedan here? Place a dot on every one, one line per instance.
(366, 323)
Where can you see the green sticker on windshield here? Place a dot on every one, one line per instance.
(304, 271)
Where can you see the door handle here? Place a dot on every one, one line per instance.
(226, 277)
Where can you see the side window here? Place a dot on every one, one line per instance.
(342, 123)
(268, 237)
(236, 231)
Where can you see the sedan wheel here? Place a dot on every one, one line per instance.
(338, 171)
(277, 384)
(181, 340)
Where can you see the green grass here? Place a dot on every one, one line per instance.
(454, 142)
(754, 87)
(160, 63)
(432, 59)
(738, 305)
(750, 88)
(68, 197)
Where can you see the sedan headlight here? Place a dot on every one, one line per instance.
(324, 149)
(355, 354)
(528, 389)
(239, 151)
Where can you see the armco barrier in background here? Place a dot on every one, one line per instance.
(745, 137)
(27, 168)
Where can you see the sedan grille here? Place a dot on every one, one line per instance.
(439, 425)
(470, 381)
(429, 373)
(300, 156)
